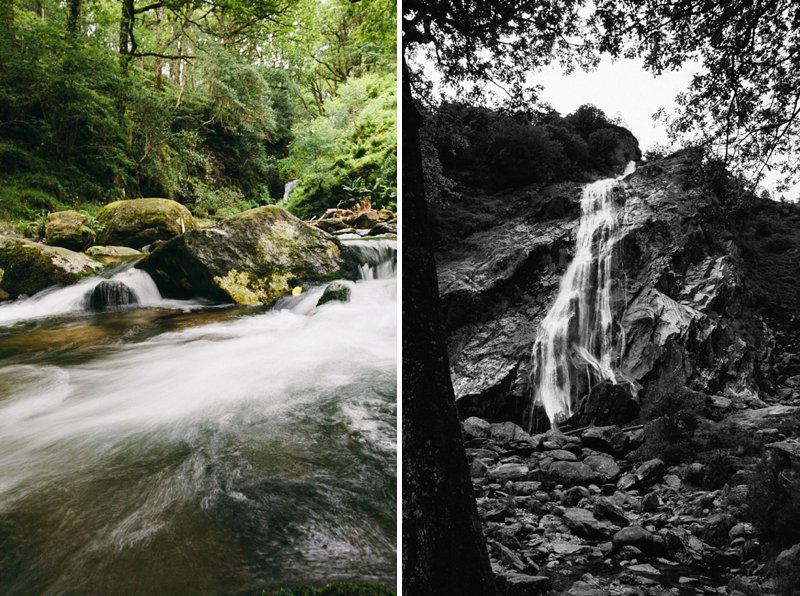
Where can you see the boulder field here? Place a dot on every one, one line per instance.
(251, 258)
(585, 514)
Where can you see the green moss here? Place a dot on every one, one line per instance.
(248, 290)
(26, 270)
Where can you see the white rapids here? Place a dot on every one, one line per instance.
(575, 342)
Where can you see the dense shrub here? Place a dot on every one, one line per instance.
(491, 148)
(774, 502)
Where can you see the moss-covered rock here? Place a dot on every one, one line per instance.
(113, 254)
(28, 267)
(253, 257)
(335, 292)
(68, 229)
(138, 222)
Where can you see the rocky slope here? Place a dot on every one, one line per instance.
(685, 298)
(684, 479)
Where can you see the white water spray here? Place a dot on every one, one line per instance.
(575, 343)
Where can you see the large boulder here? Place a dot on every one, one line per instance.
(28, 267)
(68, 229)
(253, 257)
(113, 254)
(138, 222)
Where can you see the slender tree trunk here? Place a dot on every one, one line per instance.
(125, 28)
(444, 551)
(73, 17)
(6, 30)
(158, 63)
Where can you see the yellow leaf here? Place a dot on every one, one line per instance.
(297, 291)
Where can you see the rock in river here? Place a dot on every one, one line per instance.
(253, 257)
(28, 267)
(138, 222)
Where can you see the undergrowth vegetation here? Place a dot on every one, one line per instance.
(199, 109)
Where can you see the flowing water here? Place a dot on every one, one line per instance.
(184, 448)
(575, 343)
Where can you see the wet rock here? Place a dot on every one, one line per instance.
(584, 524)
(506, 432)
(608, 439)
(113, 254)
(138, 222)
(110, 294)
(787, 564)
(384, 229)
(647, 542)
(331, 224)
(606, 404)
(335, 292)
(250, 258)
(29, 267)
(68, 229)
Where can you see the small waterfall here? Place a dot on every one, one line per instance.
(380, 256)
(287, 188)
(575, 342)
(76, 298)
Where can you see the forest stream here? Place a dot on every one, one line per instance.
(179, 446)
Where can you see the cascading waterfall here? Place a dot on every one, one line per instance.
(380, 256)
(575, 343)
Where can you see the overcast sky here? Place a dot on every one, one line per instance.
(625, 89)
(622, 88)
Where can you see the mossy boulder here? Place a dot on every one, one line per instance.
(28, 267)
(335, 292)
(138, 222)
(253, 257)
(113, 254)
(68, 229)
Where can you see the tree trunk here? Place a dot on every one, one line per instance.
(444, 551)
(73, 16)
(125, 28)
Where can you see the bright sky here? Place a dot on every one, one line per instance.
(622, 88)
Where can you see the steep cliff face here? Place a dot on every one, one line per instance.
(703, 294)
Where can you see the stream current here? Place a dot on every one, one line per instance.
(178, 447)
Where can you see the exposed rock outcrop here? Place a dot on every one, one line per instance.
(683, 301)
(253, 257)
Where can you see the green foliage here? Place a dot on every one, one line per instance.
(496, 149)
(356, 139)
(82, 125)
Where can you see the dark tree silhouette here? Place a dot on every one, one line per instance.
(474, 45)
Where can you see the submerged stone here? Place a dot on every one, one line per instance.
(335, 292)
(110, 294)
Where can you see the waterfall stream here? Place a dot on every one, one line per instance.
(181, 447)
(575, 342)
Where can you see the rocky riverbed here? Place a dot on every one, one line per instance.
(585, 513)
